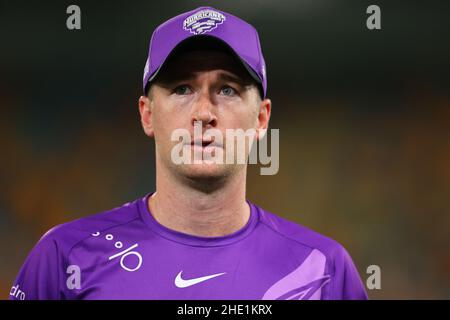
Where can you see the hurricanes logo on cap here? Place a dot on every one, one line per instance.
(203, 21)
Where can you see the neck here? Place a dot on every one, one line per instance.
(181, 206)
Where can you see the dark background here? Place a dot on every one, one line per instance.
(363, 115)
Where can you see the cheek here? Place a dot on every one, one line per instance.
(242, 119)
(159, 120)
(165, 123)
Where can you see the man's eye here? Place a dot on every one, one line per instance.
(227, 91)
(183, 90)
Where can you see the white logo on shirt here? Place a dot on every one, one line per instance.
(182, 283)
(123, 254)
(17, 293)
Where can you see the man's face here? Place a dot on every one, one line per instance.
(207, 86)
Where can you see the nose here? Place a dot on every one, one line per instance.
(203, 110)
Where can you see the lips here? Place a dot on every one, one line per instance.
(205, 143)
(202, 143)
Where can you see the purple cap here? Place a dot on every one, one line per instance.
(241, 37)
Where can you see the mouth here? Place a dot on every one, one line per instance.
(205, 144)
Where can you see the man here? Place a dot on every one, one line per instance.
(196, 236)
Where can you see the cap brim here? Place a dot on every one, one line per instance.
(206, 38)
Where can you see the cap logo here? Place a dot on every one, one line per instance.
(203, 21)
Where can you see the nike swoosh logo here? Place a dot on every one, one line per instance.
(182, 283)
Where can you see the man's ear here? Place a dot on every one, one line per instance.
(145, 110)
(265, 107)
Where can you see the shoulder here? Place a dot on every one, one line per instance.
(326, 254)
(40, 275)
(299, 235)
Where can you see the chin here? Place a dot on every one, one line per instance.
(206, 171)
(206, 177)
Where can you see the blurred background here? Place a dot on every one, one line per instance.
(364, 119)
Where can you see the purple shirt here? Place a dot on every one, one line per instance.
(124, 253)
